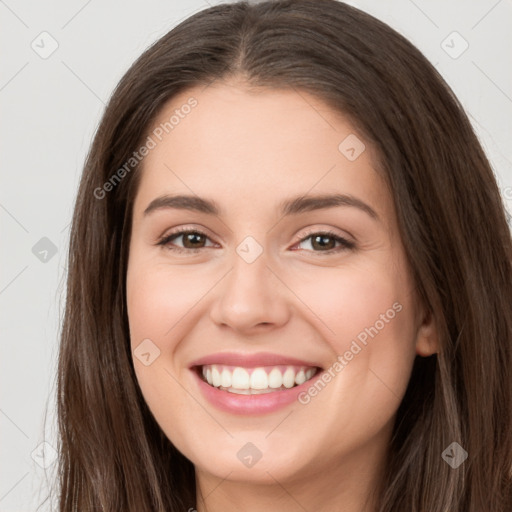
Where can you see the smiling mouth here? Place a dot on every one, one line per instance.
(255, 381)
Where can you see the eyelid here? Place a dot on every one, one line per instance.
(326, 231)
(185, 228)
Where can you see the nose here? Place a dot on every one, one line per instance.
(251, 297)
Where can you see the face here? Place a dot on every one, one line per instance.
(303, 317)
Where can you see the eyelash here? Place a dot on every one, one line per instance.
(345, 244)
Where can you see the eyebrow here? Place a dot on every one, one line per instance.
(293, 206)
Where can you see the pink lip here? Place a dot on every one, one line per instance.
(249, 404)
(250, 360)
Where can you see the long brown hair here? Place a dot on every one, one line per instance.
(112, 454)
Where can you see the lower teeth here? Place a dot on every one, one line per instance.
(251, 391)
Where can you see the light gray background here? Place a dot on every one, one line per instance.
(49, 111)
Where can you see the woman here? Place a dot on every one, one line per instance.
(289, 279)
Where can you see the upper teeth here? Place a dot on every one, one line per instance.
(261, 378)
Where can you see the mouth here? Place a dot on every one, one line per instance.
(255, 380)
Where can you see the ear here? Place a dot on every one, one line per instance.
(427, 339)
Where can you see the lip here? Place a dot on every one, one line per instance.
(251, 360)
(250, 404)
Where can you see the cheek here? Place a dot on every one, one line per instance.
(366, 318)
(158, 301)
(159, 298)
(163, 303)
(356, 304)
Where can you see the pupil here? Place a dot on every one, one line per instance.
(322, 240)
(191, 236)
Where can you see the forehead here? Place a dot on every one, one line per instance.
(252, 147)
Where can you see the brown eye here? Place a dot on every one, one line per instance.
(326, 242)
(323, 242)
(192, 240)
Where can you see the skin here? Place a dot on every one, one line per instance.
(248, 150)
